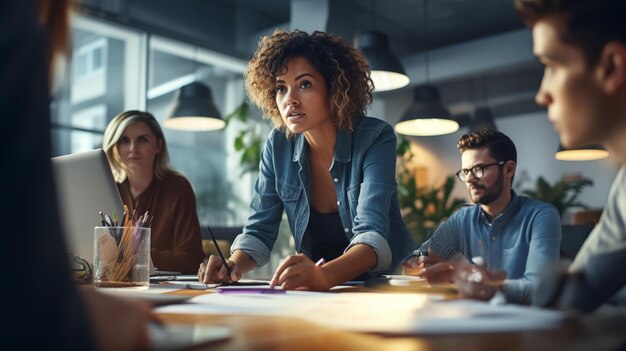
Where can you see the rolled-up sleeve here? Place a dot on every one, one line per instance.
(254, 247)
(380, 246)
(376, 191)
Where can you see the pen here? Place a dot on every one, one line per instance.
(103, 221)
(242, 290)
(217, 247)
(108, 220)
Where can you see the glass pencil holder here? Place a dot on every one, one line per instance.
(121, 257)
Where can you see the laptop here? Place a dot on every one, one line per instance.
(84, 186)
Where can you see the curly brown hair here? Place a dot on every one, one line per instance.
(344, 68)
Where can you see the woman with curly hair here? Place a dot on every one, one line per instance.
(330, 168)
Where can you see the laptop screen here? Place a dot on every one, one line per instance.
(84, 186)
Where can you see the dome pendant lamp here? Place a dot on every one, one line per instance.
(588, 153)
(426, 116)
(386, 69)
(194, 110)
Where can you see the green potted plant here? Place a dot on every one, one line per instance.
(563, 194)
(248, 142)
(422, 207)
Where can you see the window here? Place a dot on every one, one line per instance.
(103, 79)
(114, 69)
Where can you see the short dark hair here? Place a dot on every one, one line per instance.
(587, 24)
(344, 68)
(500, 146)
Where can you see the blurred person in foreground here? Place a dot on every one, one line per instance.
(582, 46)
(48, 309)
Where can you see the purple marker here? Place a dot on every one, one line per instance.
(248, 290)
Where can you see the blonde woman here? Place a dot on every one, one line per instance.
(137, 152)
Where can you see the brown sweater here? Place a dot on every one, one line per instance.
(176, 243)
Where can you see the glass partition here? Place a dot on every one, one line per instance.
(105, 75)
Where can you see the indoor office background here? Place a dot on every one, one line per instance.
(135, 54)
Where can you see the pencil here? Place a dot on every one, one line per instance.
(217, 247)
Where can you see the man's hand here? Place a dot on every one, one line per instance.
(475, 282)
(415, 265)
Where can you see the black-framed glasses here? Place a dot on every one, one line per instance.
(477, 171)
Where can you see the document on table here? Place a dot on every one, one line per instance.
(377, 313)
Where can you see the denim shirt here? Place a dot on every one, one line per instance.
(363, 172)
(523, 240)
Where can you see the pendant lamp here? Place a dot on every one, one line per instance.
(194, 110)
(426, 116)
(387, 71)
(483, 119)
(588, 153)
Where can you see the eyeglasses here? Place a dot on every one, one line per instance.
(477, 171)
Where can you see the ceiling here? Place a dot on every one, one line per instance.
(479, 50)
(449, 21)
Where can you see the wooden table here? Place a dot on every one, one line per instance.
(596, 332)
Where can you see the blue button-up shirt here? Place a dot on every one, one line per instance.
(363, 172)
(523, 240)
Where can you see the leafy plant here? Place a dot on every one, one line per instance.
(248, 142)
(422, 207)
(563, 194)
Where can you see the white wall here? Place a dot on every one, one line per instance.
(537, 142)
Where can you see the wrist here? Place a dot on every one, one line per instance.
(327, 278)
(242, 260)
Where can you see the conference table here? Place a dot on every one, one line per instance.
(603, 330)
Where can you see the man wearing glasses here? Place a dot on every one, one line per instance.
(514, 236)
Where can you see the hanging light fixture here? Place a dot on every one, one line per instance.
(386, 69)
(483, 119)
(193, 108)
(588, 153)
(426, 116)
(423, 117)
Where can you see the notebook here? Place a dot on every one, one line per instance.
(84, 186)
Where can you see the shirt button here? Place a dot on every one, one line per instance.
(493, 238)
(335, 180)
(338, 203)
(346, 230)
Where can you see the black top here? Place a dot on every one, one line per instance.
(47, 311)
(325, 237)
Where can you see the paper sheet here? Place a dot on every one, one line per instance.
(378, 313)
